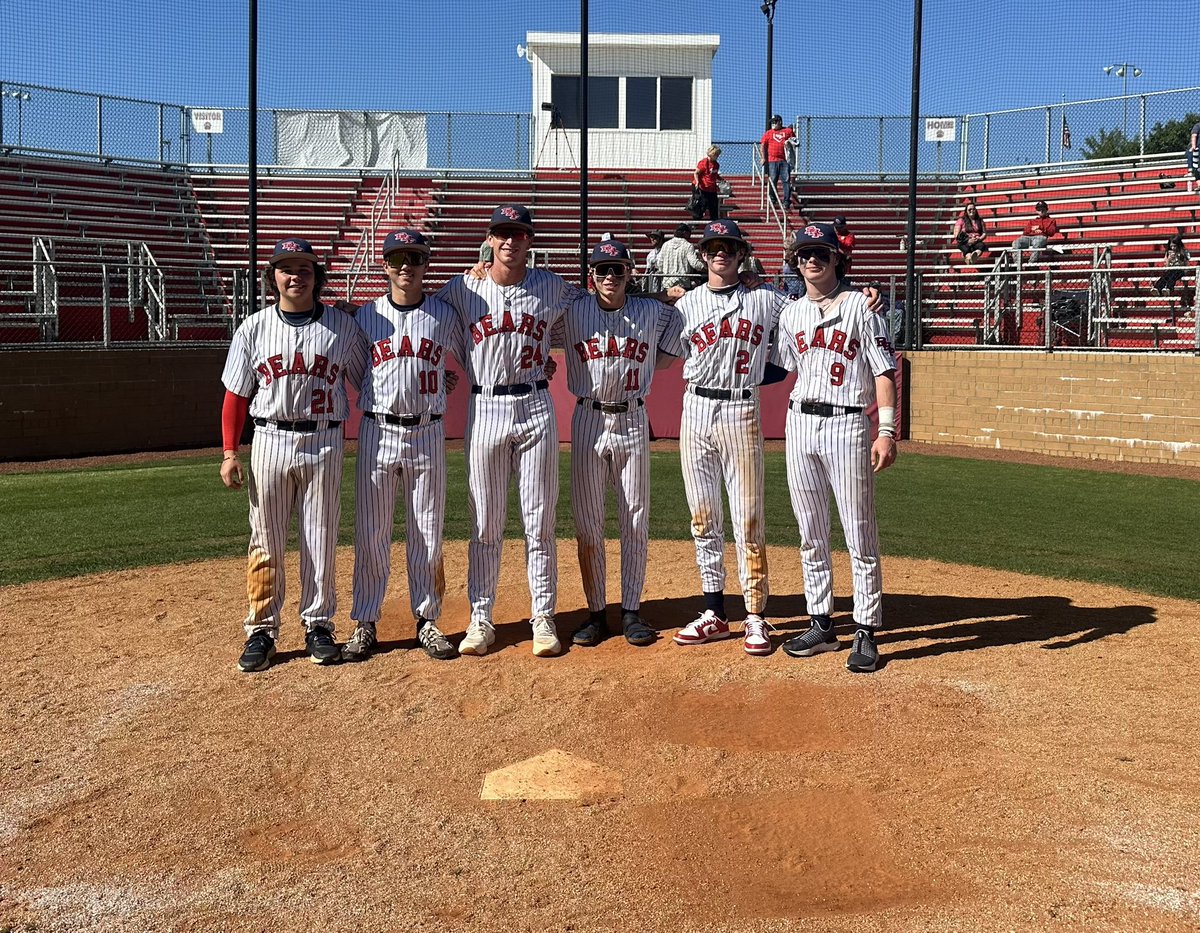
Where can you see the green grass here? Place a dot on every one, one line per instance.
(1131, 531)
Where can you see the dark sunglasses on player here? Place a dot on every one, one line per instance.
(712, 249)
(510, 233)
(397, 260)
(819, 254)
(614, 269)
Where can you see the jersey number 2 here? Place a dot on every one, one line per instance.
(742, 367)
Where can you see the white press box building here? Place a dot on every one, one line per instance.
(650, 101)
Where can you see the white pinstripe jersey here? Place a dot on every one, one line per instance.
(726, 337)
(299, 370)
(506, 328)
(611, 354)
(408, 355)
(836, 355)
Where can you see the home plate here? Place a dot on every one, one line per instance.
(552, 775)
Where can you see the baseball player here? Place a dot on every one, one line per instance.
(614, 343)
(402, 443)
(727, 331)
(507, 317)
(295, 358)
(840, 351)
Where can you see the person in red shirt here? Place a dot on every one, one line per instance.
(1038, 231)
(705, 178)
(775, 144)
(845, 238)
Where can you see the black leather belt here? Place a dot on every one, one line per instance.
(824, 409)
(295, 425)
(724, 395)
(521, 388)
(611, 408)
(405, 421)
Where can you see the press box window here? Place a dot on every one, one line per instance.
(641, 103)
(675, 106)
(602, 101)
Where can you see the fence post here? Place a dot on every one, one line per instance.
(1142, 125)
(449, 131)
(161, 141)
(1, 113)
(987, 140)
(1049, 315)
(881, 132)
(1049, 121)
(964, 145)
(105, 304)
(912, 309)
(99, 127)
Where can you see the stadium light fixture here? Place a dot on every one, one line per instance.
(20, 96)
(1123, 71)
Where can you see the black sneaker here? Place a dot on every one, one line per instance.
(818, 639)
(592, 632)
(321, 647)
(637, 632)
(864, 656)
(256, 656)
(436, 645)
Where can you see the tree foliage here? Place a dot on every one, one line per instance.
(1172, 136)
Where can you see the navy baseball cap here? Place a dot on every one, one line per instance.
(293, 247)
(405, 239)
(511, 215)
(610, 251)
(839, 221)
(723, 230)
(819, 235)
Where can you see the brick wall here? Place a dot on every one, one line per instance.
(1131, 406)
(69, 403)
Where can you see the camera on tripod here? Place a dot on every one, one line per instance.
(556, 117)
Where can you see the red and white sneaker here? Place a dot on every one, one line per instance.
(709, 627)
(757, 640)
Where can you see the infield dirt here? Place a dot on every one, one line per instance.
(1026, 760)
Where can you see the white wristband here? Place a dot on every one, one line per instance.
(887, 421)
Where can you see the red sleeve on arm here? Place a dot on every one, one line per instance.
(233, 419)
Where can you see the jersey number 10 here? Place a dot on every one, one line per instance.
(427, 382)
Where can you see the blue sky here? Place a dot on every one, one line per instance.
(846, 58)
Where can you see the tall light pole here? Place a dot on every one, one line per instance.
(1122, 71)
(768, 9)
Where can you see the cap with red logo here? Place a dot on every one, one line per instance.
(723, 230)
(409, 240)
(819, 235)
(610, 251)
(293, 247)
(511, 215)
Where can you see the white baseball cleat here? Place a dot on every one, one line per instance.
(477, 640)
(757, 639)
(545, 636)
(709, 627)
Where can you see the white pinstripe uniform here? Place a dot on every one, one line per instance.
(610, 358)
(506, 342)
(726, 337)
(297, 373)
(837, 355)
(405, 383)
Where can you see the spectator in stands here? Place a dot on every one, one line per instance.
(970, 234)
(707, 178)
(1176, 261)
(1038, 231)
(846, 239)
(651, 280)
(485, 252)
(679, 262)
(1193, 153)
(777, 145)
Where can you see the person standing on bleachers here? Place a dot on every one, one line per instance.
(1038, 231)
(678, 261)
(777, 144)
(970, 234)
(1193, 151)
(707, 178)
(651, 281)
(1176, 261)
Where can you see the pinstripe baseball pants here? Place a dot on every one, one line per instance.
(391, 458)
(722, 442)
(506, 435)
(825, 453)
(293, 471)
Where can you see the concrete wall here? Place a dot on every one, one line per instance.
(1118, 406)
(69, 403)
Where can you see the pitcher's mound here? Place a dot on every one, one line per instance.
(552, 775)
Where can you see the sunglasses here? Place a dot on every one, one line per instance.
(615, 269)
(820, 255)
(510, 233)
(399, 260)
(718, 248)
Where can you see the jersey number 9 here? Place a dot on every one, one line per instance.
(837, 374)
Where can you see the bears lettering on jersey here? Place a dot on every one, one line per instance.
(382, 350)
(708, 334)
(628, 349)
(529, 326)
(274, 368)
(835, 343)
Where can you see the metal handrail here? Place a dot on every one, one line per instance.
(153, 290)
(385, 202)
